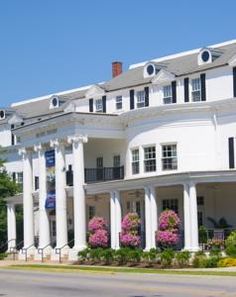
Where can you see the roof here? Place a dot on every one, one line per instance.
(181, 64)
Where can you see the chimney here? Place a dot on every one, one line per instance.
(116, 68)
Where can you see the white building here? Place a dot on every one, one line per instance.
(160, 135)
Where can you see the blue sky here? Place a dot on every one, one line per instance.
(54, 45)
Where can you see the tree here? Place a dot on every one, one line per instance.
(7, 188)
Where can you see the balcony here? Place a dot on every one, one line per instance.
(97, 175)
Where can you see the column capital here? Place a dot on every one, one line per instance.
(77, 139)
(56, 143)
(38, 148)
(23, 151)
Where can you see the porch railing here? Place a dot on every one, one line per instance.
(94, 175)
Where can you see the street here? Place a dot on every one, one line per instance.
(15, 283)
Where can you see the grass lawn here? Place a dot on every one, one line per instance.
(77, 268)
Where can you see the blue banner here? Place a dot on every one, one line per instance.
(50, 174)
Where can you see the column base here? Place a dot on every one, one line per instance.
(192, 249)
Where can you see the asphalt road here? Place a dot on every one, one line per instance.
(84, 284)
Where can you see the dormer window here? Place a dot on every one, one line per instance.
(207, 56)
(55, 102)
(2, 114)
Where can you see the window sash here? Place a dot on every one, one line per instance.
(167, 94)
(172, 204)
(150, 159)
(99, 105)
(135, 161)
(140, 99)
(196, 89)
(169, 157)
(119, 102)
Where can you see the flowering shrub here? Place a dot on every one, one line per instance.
(169, 224)
(169, 220)
(129, 234)
(97, 223)
(98, 236)
(99, 239)
(130, 222)
(167, 238)
(130, 240)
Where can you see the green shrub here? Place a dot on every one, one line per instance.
(183, 258)
(108, 255)
(212, 262)
(201, 261)
(167, 257)
(84, 254)
(95, 254)
(3, 256)
(134, 255)
(230, 244)
(122, 255)
(202, 234)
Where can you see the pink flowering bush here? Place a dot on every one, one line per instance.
(169, 220)
(97, 223)
(167, 238)
(99, 239)
(168, 233)
(98, 236)
(129, 235)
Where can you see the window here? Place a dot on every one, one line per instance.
(99, 105)
(91, 212)
(116, 161)
(200, 200)
(100, 162)
(140, 99)
(169, 157)
(196, 89)
(119, 102)
(135, 161)
(150, 159)
(171, 204)
(167, 94)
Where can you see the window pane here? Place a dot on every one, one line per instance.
(169, 157)
(150, 159)
(135, 161)
(140, 99)
(119, 102)
(99, 107)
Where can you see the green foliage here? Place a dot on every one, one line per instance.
(167, 257)
(108, 255)
(84, 254)
(3, 256)
(122, 255)
(7, 188)
(230, 244)
(183, 258)
(96, 254)
(202, 234)
(202, 261)
(134, 255)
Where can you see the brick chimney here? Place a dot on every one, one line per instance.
(116, 68)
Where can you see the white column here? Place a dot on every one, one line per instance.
(79, 193)
(11, 226)
(193, 217)
(61, 202)
(44, 228)
(115, 219)
(187, 222)
(148, 219)
(28, 198)
(153, 205)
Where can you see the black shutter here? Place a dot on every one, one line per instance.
(131, 94)
(104, 104)
(173, 86)
(146, 91)
(234, 80)
(90, 105)
(186, 89)
(14, 176)
(203, 86)
(231, 152)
